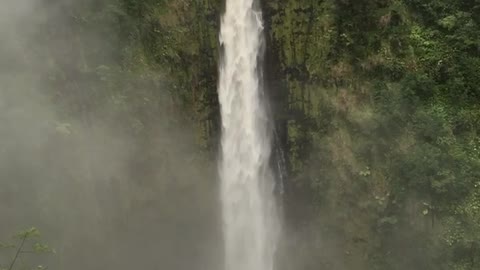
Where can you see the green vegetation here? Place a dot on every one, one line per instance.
(383, 123)
(26, 246)
(377, 103)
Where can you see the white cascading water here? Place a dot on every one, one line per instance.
(247, 183)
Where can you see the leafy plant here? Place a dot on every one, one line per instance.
(27, 243)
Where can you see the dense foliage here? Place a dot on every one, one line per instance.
(377, 104)
(382, 122)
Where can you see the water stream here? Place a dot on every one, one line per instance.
(247, 183)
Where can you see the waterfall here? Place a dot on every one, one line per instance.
(247, 185)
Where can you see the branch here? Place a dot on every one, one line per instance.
(18, 252)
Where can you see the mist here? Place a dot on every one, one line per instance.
(107, 189)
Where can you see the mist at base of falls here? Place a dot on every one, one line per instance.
(105, 189)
